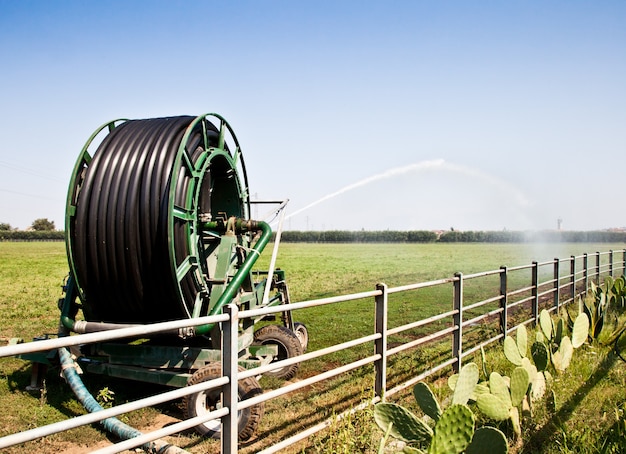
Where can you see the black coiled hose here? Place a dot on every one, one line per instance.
(119, 232)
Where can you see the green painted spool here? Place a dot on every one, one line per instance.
(136, 213)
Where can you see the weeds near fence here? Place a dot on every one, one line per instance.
(552, 401)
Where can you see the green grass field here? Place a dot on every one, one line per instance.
(31, 275)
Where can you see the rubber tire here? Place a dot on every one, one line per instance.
(288, 347)
(248, 418)
(302, 334)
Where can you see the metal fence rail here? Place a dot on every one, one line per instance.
(510, 296)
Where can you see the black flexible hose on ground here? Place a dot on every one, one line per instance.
(120, 231)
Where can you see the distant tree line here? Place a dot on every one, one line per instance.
(32, 235)
(390, 236)
(453, 236)
(40, 230)
(361, 236)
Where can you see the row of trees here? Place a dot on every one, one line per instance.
(427, 236)
(42, 231)
(362, 236)
(32, 235)
(38, 225)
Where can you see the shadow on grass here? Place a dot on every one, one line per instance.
(544, 434)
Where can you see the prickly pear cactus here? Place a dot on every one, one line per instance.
(520, 380)
(488, 440)
(406, 426)
(539, 337)
(493, 407)
(452, 379)
(499, 388)
(515, 421)
(427, 400)
(547, 327)
(522, 340)
(562, 357)
(481, 388)
(511, 351)
(540, 355)
(497, 404)
(559, 331)
(580, 330)
(467, 381)
(453, 431)
(538, 386)
(530, 368)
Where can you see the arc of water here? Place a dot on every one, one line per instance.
(519, 197)
(381, 176)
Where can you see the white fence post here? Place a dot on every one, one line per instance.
(572, 270)
(586, 270)
(535, 292)
(504, 300)
(557, 284)
(457, 337)
(380, 345)
(230, 365)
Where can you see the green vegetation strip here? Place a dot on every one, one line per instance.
(31, 275)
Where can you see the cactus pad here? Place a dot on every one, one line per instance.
(427, 400)
(493, 407)
(499, 388)
(511, 351)
(581, 330)
(468, 379)
(562, 357)
(452, 379)
(481, 388)
(540, 355)
(406, 426)
(538, 387)
(454, 431)
(559, 330)
(545, 322)
(522, 340)
(519, 385)
(488, 440)
(530, 368)
(539, 337)
(515, 421)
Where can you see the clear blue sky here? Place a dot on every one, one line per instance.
(472, 115)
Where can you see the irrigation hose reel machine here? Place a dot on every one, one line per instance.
(158, 229)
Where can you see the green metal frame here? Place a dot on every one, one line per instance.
(186, 213)
(220, 248)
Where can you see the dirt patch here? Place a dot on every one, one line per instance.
(158, 422)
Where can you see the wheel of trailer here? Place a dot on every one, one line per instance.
(302, 334)
(288, 347)
(210, 400)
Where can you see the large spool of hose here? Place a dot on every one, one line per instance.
(135, 210)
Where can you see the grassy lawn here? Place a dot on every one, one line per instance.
(31, 275)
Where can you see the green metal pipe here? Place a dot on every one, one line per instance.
(67, 318)
(243, 272)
